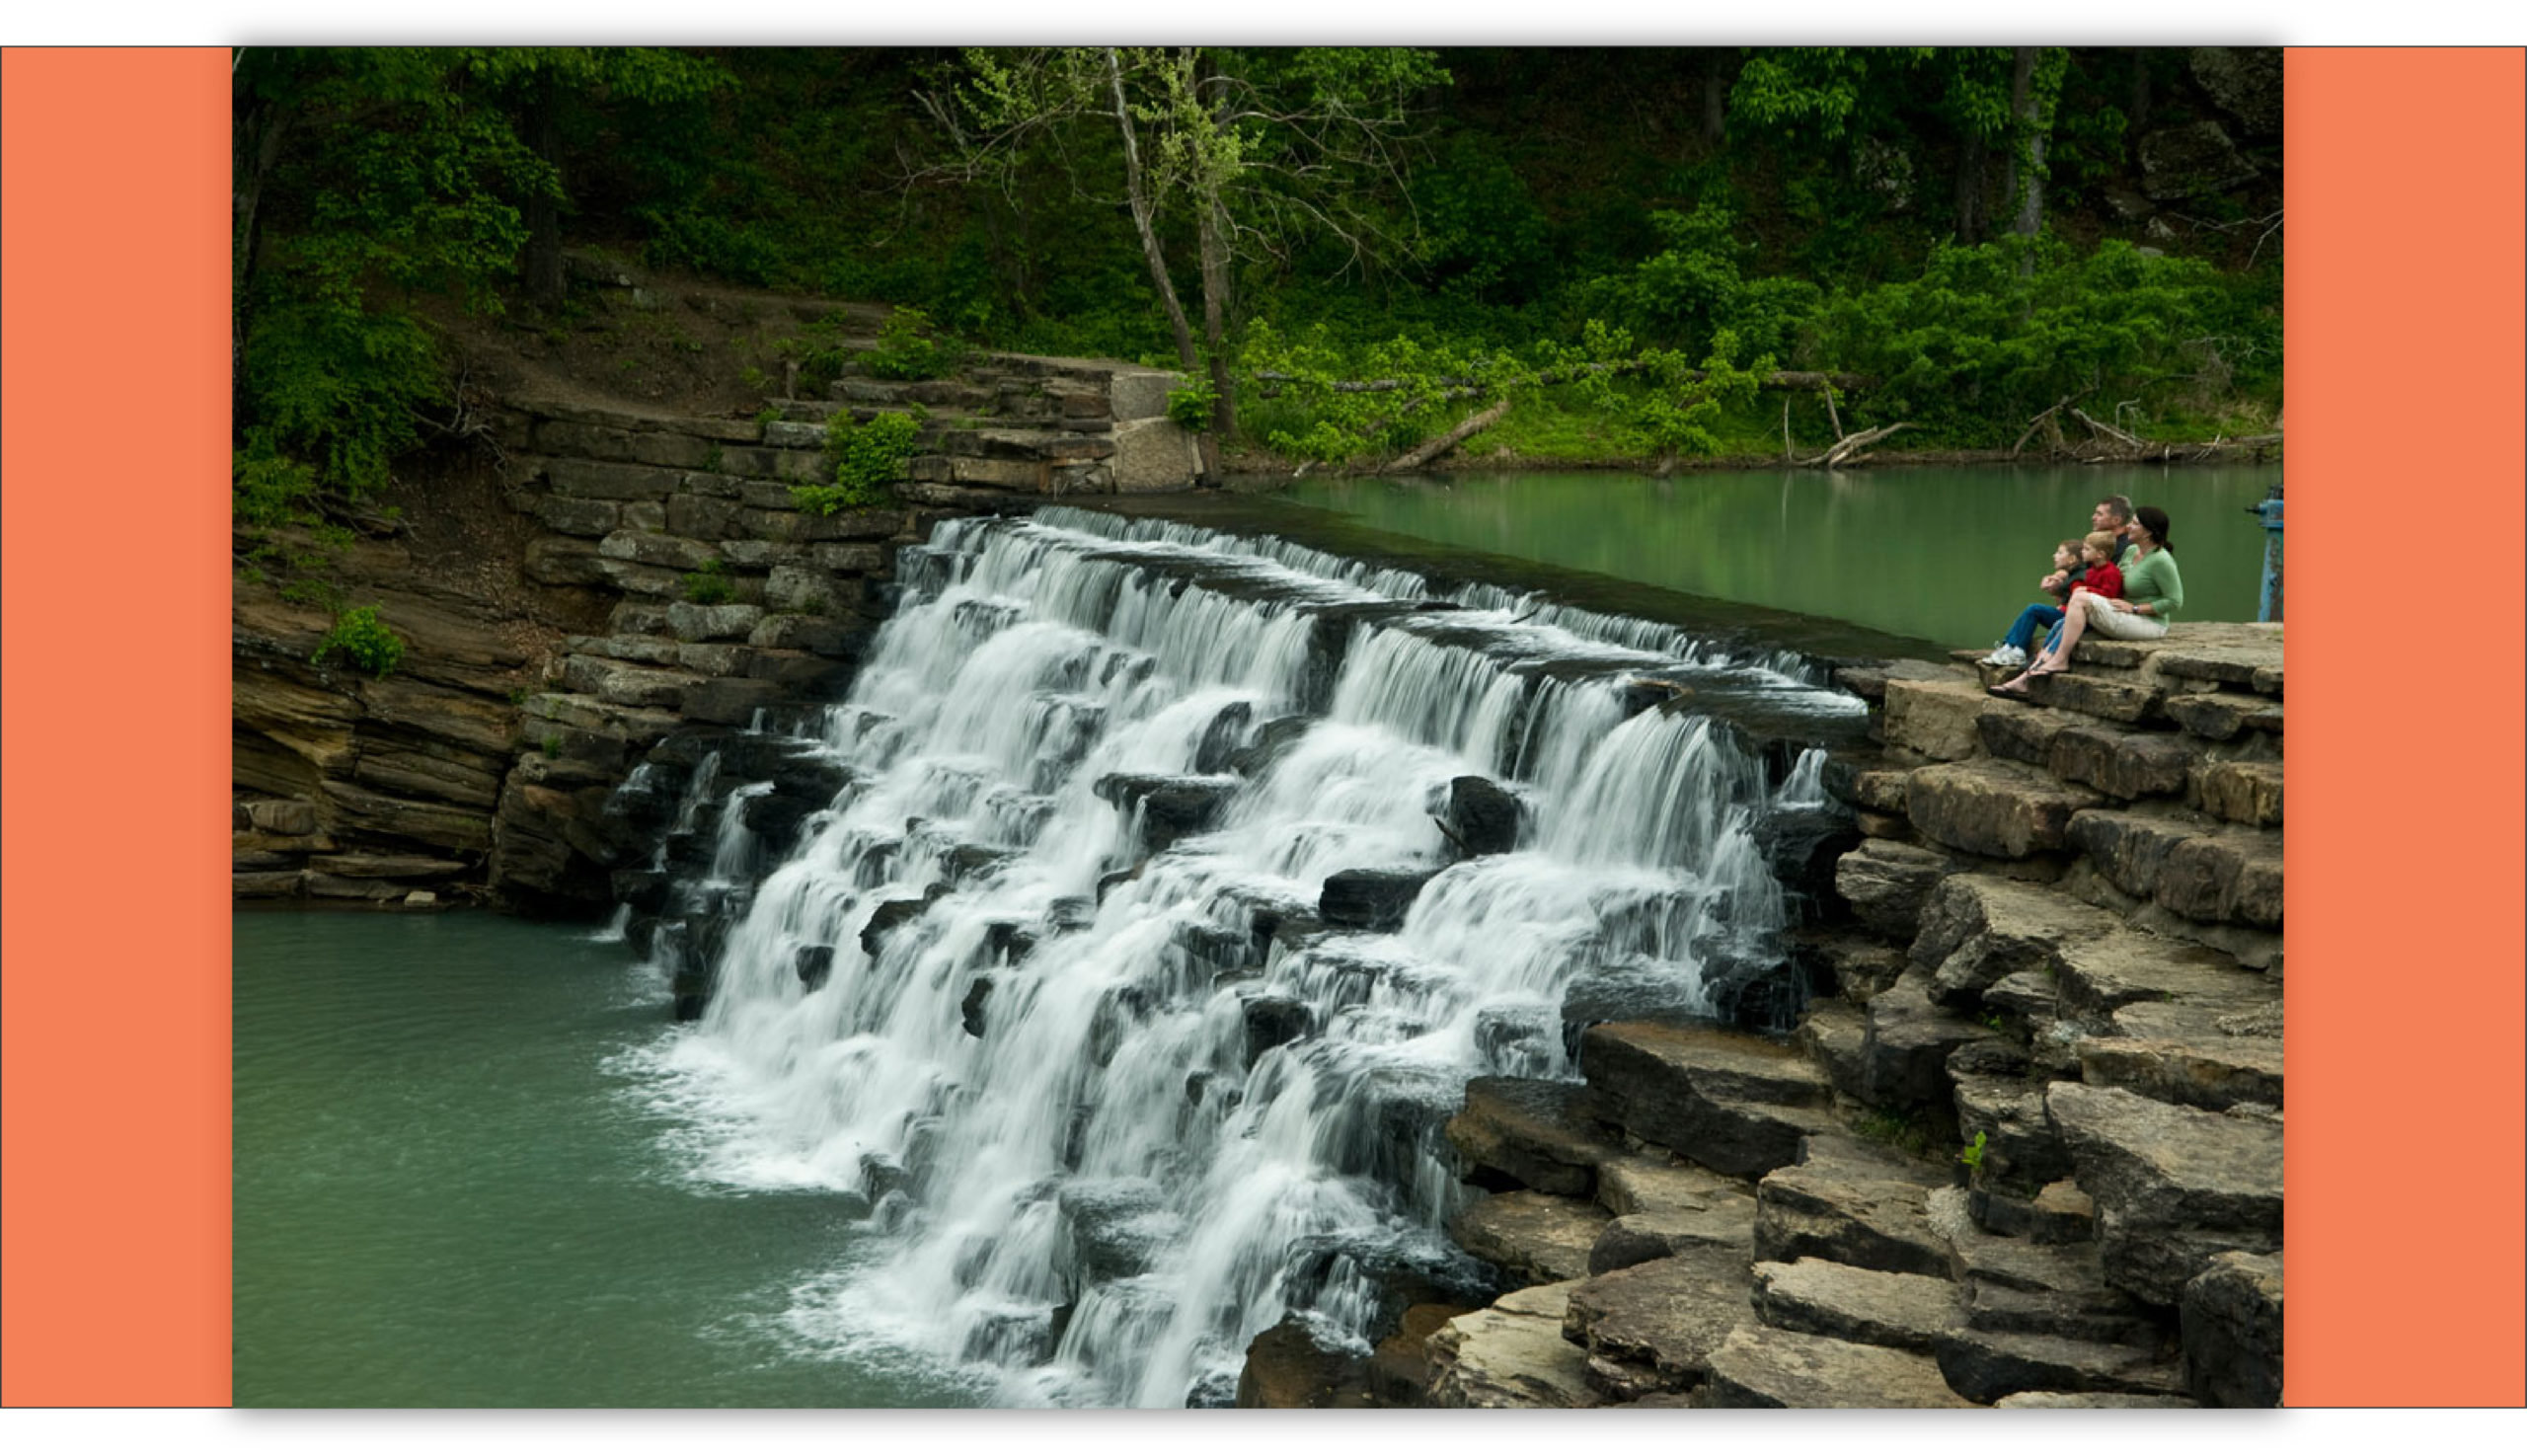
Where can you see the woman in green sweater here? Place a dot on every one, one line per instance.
(2153, 593)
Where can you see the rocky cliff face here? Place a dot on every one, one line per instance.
(2028, 1154)
(535, 680)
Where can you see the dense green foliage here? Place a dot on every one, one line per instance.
(866, 460)
(361, 637)
(1624, 241)
(367, 176)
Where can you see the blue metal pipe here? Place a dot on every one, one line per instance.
(2268, 603)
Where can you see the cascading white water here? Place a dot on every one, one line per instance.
(1112, 1126)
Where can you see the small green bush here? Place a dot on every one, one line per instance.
(1972, 1157)
(865, 459)
(909, 349)
(710, 585)
(361, 636)
(268, 490)
(1191, 407)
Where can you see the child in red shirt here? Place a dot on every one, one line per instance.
(2097, 553)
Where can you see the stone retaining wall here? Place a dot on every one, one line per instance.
(481, 767)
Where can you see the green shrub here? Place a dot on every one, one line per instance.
(268, 490)
(1191, 407)
(710, 585)
(361, 636)
(908, 348)
(865, 459)
(340, 389)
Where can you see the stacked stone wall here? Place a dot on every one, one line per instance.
(482, 767)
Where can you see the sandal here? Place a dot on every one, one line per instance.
(2016, 687)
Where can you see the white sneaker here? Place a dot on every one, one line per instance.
(2006, 657)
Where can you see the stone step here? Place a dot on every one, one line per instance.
(1658, 1183)
(1531, 1238)
(1511, 1356)
(1886, 883)
(2021, 1149)
(2096, 1315)
(1638, 1238)
(2062, 1214)
(1654, 1326)
(1400, 1369)
(2189, 1060)
(2244, 793)
(1542, 1136)
(1851, 1204)
(1759, 1365)
(1977, 929)
(1835, 1035)
(1985, 1365)
(2232, 1321)
(627, 684)
(2175, 1185)
(1905, 1047)
(1732, 1101)
(2056, 1400)
(1664, 1207)
(1865, 1306)
(2094, 977)
(1993, 807)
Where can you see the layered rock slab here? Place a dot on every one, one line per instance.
(1734, 1103)
(1865, 1306)
(1758, 1365)
(1511, 1356)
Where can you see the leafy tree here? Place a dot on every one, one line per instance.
(1254, 150)
(367, 175)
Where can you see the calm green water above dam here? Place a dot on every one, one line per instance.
(1949, 554)
(459, 1181)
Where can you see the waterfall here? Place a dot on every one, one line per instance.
(1045, 969)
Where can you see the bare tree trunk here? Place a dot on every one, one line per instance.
(1714, 96)
(545, 283)
(2026, 159)
(2137, 116)
(1215, 305)
(1137, 190)
(1424, 454)
(1969, 190)
(1139, 195)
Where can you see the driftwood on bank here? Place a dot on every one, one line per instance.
(2109, 444)
(1465, 388)
(1851, 449)
(1424, 454)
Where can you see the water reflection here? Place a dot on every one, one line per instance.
(1943, 553)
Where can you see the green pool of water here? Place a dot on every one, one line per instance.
(452, 1187)
(1948, 554)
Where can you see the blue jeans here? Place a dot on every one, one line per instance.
(2022, 631)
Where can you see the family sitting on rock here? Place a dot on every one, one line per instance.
(2120, 580)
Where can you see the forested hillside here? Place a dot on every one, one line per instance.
(1647, 253)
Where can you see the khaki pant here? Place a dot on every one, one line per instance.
(2129, 626)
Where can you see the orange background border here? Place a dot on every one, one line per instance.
(2407, 1141)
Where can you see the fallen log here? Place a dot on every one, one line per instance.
(1424, 454)
(1847, 451)
(2034, 424)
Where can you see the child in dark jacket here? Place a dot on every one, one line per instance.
(2066, 574)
